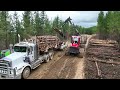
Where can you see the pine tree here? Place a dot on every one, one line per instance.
(32, 25)
(4, 25)
(26, 23)
(101, 27)
(43, 17)
(38, 24)
(57, 23)
(16, 26)
(47, 26)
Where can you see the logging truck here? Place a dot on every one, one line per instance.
(28, 55)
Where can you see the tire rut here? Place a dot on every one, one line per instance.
(70, 69)
(43, 68)
(66, 70)
(61, 67)
(55, 69)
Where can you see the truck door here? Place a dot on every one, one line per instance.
(31, 53)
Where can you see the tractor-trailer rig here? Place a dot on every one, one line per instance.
(27, 56)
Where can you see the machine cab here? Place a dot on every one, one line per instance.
(75, 40)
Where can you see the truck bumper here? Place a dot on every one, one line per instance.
(7, 77)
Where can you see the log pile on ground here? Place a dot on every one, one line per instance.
(102, 60)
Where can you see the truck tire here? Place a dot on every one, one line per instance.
(47, 60)
(26, 72)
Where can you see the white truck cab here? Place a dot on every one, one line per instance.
(25, 57)
(20, 63)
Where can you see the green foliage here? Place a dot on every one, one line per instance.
(34, 23)
(110, 26)
(38, 24)
(26, 23)
(4, 27)
(101, 25)
(90, 30)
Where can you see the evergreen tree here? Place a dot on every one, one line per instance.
(26, 23)
(43, 17)
(38, 24)
(101, 25)
(4, 16)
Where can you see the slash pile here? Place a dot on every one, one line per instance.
(102, 60)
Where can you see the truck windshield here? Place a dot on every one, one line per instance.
(19, 49)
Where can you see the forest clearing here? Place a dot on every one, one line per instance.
(36, 47)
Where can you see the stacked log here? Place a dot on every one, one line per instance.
(102, 59)
(46, 42)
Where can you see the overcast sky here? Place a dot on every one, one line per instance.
(82, 18)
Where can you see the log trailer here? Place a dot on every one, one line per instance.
(27, 56)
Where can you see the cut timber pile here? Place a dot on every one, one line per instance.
(46, 42)
(102, 60)
(83, 38)
(103, 49)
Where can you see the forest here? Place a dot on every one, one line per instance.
(38, 23)
(33, 23)
(100, 52)
(108, 26)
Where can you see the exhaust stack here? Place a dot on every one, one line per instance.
(19, 37)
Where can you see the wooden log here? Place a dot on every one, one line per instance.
(98, 70)
(115, 57)
(104, 61)
(112, 61)
(46, 41)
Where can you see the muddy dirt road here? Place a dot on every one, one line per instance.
(60, 67)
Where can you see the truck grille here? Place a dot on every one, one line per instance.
(4, 67)
(3, 71)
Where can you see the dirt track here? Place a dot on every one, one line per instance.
(60, 67)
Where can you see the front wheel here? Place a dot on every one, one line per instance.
(47, 60)
(26, 73)
(51, 56)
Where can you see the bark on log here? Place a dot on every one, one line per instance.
(104, 61)
(46, 42)
(98, 70)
